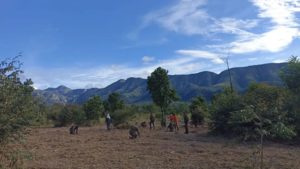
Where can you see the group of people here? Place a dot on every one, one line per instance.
(134, 131)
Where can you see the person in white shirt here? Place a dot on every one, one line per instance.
(107, 120)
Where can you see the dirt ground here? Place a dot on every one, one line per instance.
(94, 147)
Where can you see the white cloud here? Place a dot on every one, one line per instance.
(192, 66)
(278, 36)
(184, 17)
(279, 61)
(201, 54)
(88, 86)
(114, 67)
(281, 12)
(252, 59)
(147, 59)
(190, 17)
(218, 61)
(198, 53)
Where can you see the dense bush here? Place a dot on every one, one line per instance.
(65, 115)
(123, 116)
(221, 109)
(199, 106)
(259, 113)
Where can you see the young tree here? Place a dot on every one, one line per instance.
(226, 60)
(267, 112)
(162, 95)
(18, 108)
(113, 103)
(93, 108)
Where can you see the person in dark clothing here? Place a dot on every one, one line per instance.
(107, 120)
(195, 119)
(152, 118)
(186, 121)
(74, 130)
(133, 132)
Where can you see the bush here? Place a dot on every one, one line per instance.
(65, 115)
(18, 110)
(221, 109)
(122, 116)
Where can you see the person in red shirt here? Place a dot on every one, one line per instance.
(171, 118)
(176, 122)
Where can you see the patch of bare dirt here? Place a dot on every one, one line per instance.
(94, 147)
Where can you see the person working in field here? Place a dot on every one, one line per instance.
(152, 118)
(176, 122)
(107, 120)
(133, 132)
(186, 121)
(171, 118)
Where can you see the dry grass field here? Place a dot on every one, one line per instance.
(94, 147)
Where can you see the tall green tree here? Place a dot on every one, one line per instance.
(290, 77)
(162, 95)
(93, 108)
(291, 74)
(113, 103)
(18, 108)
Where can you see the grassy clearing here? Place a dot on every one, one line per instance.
(94, 147)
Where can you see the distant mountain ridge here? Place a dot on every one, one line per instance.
(133, 90)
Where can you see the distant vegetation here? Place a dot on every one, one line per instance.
(262, 111)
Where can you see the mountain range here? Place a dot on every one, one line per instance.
(133, 90)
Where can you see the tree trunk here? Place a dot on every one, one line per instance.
(230, 78)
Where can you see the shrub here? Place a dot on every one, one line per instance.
(122, 116)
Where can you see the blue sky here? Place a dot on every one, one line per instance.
(84, 44)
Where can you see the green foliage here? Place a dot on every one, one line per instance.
(214, 98)
(65, 115)
(268, 102)
(123, 116)
(199, 106)
(290, 76)
(178, 108)
(221, 109)
(162, 95)
(113, 103)
(18, 109)
(93, 108)
(260, 113)
(149, 108)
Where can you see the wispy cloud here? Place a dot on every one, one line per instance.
(147, 59)
(189, 17)
(252, 59)
(279, 61)
(278, 36)
(202, 54)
